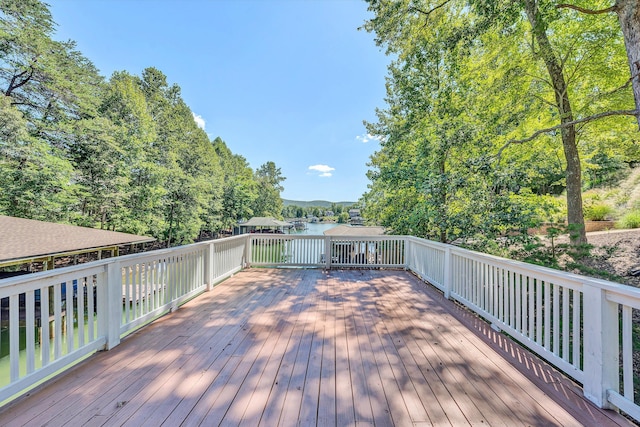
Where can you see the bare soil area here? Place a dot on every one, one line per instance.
(616, 252)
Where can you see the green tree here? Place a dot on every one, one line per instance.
(100, 171)
(239, 191)
(36, 180)
(125, 105)
(53, 86)
(269, 186)
(501, 58)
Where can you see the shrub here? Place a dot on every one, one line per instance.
(597, 212)
(630, 220)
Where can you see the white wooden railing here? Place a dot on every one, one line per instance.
(571, 321)
(283, 250)
(583, 326)
(55, 318)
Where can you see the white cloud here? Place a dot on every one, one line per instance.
(199, 120)
(368, 137)
(323, 170)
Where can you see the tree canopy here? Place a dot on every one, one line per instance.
(122, 153)
(492, 108)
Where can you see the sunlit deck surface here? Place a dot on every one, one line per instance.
(307, 347)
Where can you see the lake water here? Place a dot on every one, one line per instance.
(316, 229)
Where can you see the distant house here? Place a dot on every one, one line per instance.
(264, 225)
(329, 213)
(355, 218)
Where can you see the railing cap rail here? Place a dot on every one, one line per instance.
(72, 269)
(533, 268)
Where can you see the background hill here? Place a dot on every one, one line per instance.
(315, 203)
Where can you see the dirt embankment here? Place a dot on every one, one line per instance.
(616, 252)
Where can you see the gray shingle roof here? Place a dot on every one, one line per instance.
(26, 238)
(261, 221)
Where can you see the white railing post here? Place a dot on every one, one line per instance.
(446, 276)
(601, 369)
(247, 251)
(408, 253)
(209, 266)
(327, 252)
(112, 304)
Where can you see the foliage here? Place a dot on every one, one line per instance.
(597, 212)
(630, 220)
(307, 210)
(123, 154)
(470, 81)
(269, 185)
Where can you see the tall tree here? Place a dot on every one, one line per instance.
(52, 85)
(239, 191)
(628, 13)
(124, 104)
(404, 26)
(269, 185)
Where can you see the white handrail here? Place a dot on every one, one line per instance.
(572, 321)
(64, 315)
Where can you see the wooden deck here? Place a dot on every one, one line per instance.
(306, 347)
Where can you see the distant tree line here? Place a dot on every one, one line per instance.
(340, 212)
(121, 154)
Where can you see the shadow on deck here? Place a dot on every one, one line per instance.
(307, 347)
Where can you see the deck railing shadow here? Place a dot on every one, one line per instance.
(582, 326)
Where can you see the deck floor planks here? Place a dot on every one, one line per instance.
(193, 392)
(326, 411)
(283, 317)
(293, 399)
(478, 404)
(289, 338)
(363, 410)
(139, 366)
(345, 415)
(404, 403)
(440, 354)
(217, 397)
(311, 388)
(497, 384)
(498, 396)
(294, 310)
(275, 401)
(371, 381)
(156, 383)
(190, 370)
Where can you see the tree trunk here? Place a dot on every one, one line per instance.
(575, 216)
(628, 12)
(170, 227)
(443, 199)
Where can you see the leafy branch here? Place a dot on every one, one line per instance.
(565, 125)
(585, 10)
(433, 9)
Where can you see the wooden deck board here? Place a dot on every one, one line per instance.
(306, 347)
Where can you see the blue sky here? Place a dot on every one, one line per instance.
(288, 81)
